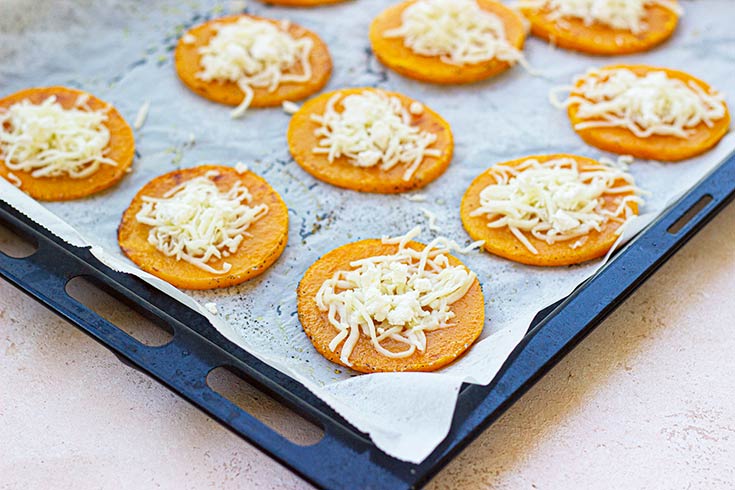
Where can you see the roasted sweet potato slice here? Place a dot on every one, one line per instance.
(401, 59)
(253, 257)
(186, 59)
(442, 346)
(342, 173)
(655, 147)
(121, 149)
(502, 242)
(599, 39)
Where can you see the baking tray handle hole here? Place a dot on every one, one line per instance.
(270, 412)
(117, 311)
(14, 244)
(690, 214)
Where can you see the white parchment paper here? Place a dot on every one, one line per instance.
(121, 51)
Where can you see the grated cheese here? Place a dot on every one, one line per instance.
(255, 54)
(241, 168)
(419, 197)
(212, 308)
(189, 38)
(142, 115)
(197, 223)
(628, 15)
(373, 129)
(290, 107)
(645, 105)
(47, 140)
(555, 201)
(13, 179)
(458, 31)
(416, 108)
(431, 217)
(400, 296)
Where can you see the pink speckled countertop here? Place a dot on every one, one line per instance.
(646, 401)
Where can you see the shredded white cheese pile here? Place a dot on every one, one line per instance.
(645, 105)
(555, 201)
(400, 296)
(255, 53)
(458, 31)
(196, 222)
(628, 15)
(47, 140)
(372, 129)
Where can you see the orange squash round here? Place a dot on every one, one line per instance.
(342, 173)
(655, 147)
(502, 242)
(443, 346)
(394, 54)
(187, 63)
(253, 257)
(121, 149)
(600, 39)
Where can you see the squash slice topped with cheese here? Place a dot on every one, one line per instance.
(391, 305)
(550, 210)
(448, 41)
(58, 143)
(370, 140)
(646, 112)
(248, 61)
(205, 227)
(603, 27)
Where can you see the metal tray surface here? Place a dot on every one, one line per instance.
(344, 457)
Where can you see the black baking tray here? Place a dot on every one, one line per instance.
(344, 457)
